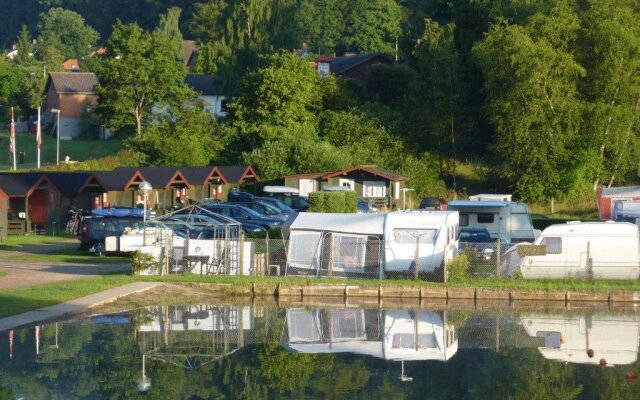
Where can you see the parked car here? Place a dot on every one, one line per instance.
(216, 220)
(94, 230)
(244, 215)
(478, 242)
(365, 207)
(433, 203)
(242, 197)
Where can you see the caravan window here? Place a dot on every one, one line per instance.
(485, 218)
(464, 219)
(408, 236)
(302, 249)
(554, 245)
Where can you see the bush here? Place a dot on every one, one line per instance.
(458, 268)
(334, 202)
(350, 202)
(144, 262)
(317, 202)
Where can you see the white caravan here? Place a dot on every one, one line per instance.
(363, 243)
(627, 211)
(490, 197)
(609, 250)
(586, 340)
(505, 220)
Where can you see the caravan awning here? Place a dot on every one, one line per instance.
(363, 224)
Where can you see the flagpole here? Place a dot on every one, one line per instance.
(38, 137)
(12, 140)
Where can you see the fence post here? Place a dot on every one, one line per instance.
(266, 241)
(498, 253)
(241, 256)
(416, 258)
(445, 270)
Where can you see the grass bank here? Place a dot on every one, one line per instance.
(17, 301)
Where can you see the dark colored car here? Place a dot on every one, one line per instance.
(94, 230)
(269, 206)
(244, 215)
(214, 220)
(365, 207)
(296, 202)
(433, 203)
(478, 242)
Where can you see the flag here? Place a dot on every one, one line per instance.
(38, 132)
(12, 138)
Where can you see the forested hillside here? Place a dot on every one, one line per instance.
(544, 92)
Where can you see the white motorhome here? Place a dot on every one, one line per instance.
(370, 243)
(505, 220)
(609, 250)
(491, 197)
(586, 340)
(627, 211)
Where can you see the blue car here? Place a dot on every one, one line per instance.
(244, 215)
(269, 206)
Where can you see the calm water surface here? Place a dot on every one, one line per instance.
(234, 352)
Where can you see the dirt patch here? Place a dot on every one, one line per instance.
(169, 294)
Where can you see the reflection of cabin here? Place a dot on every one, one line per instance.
(206, 183)
(121, 187)
(78, 189)
(34, 203)
(372, 183)
(170, 188)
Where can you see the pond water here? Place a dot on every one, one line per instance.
(225, 351)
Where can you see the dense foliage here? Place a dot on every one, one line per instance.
(545, 92)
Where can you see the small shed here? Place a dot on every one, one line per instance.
(606, 198)
(238, 175)
(121, 187)
(206, 183)
(4, 206)
(79, 189)
(34, 203)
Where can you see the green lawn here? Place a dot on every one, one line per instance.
(41, 248)
(77, 150)
(16, 301)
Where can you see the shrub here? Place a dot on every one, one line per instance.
(350, 202)
(317, 202)
(334, 202)
(458, 268)
(144, 262)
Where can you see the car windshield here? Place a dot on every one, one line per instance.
(243, 211)
(266, 209)
(474, 237)
(278, 204)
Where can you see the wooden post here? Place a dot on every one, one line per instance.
(266, 240)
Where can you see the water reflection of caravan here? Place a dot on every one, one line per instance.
(363, 243)
(608, 250)
(570, 339)
(200, 318)
(389, 335)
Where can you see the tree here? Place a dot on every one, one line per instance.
(320, 24)
(373, 25)
(24, 47)
(169, 26)
(439, 67)
(140, 73)
(532, 101)
(610, 51)
(280, 99)
(187, 136)
(66, 31)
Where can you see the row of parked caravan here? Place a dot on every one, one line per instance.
(609, 250)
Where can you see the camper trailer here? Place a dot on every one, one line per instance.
(345, 244)
(608, 250)
(627, 211)
(490, 197)
(505, 220)
(585, 340)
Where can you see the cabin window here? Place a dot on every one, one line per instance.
(374, 189)
(485, 218)
(464, 219)
(408, 236)
(554, 245)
